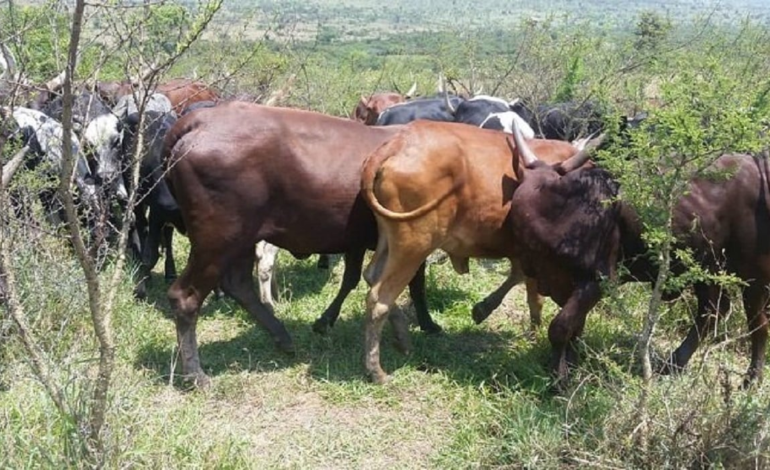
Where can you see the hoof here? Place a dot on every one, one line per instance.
(380, 378)
(323, 262)
(404, 347)
(431, 329)
(750, 381)
(321, 326)
(198, 381)
(480, 313)
(140, 292)
(170, 277)
(286, 346)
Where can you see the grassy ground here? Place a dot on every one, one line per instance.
(472, 397)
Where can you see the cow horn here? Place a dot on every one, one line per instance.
(577, 160)
(524, 151)
(13, 164)
(279, 95)
(513, 102)
(478, 92)
(411, 91)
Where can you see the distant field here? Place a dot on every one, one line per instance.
(354, 19)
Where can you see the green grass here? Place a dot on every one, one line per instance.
(472, 397)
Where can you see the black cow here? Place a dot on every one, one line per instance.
(476, 110)
(432, 109)
(568, 235)
(156, 212)
(562, 121)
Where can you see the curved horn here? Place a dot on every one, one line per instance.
(279, 95)
(525, 152)
(478, 92)
(513, 102)
(577, 160)
(10, 168)
(411, 91)
(441, 86)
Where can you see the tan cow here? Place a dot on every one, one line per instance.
(439, 185)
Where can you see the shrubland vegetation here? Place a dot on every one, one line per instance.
(476, 396)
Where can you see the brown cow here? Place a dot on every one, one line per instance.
(242, 173)
(183, 92)
(438, 185)
(369, 109)
(725, 222)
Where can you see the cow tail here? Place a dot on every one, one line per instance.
(369, 176)
(764, 176)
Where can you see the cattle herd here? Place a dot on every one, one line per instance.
(480, 177)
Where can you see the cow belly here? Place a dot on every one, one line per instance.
(316, 237)
(476, 245)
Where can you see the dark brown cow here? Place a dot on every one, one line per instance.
(183, 92)
(567, 235)
(439, 185)
(242, 173)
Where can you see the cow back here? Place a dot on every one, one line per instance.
(291, 177)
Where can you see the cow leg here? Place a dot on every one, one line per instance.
(708, 301)
(169, 266)
(354, 260)
(484, 309)
(186, 295)
(238, 283)
(141, 275)
(755, 299)
(535, 303)
(266, 254)
(323, 262)
(400, 268)
(417, 293)
(374, 270)
(151, 248)
(568, 324)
